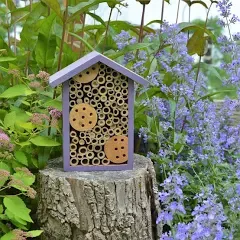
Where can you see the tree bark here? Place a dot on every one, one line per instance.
(117, 205)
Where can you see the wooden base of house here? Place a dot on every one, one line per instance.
(103, 205)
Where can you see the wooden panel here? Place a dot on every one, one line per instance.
(87, 75)
(116, 149)
(83, 117)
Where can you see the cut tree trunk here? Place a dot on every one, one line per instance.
(117, 205)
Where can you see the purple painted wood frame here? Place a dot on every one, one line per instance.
(66, 136)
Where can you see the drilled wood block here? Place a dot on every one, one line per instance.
(87, 75)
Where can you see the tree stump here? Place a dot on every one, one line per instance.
(116, 205)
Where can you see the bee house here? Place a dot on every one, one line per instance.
(98, 114)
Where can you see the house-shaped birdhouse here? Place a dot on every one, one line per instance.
(98, 114)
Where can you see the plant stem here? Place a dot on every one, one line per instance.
(142, 24)
(83, 20)
(27, 61)
(107, 28)
(8, 29)
(162, 12)
(178, 9)
(31, 1)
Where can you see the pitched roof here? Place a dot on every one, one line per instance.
(87, 61)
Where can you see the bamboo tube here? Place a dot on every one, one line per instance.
(90, 148)
(101, 122)
(86, 88)
(101, 142)
(123, 77)
(102, 66)
(96, 162)
(116, 120)
(73, 89)
(75, 140)
(117, 89)
(105, 129)
(81, 142)
(94, 141)
(82, 135)
(80, 157)
(88, 140)
(74, 162)
(107, 103)
(99, 106)
(111, 132)
(124, 85)
(115, 112)
(95, 84)
(109, 122)
(101, 155)
(110, 116)
(109, 70)
(111, 92)
(106, 110)
(125, 132)
(109, 85)
(119, 95)
(78, 85)
(79, 93)
(114, 105)
(86, 100)
(96, 98)
(94, 91)
(101, 73)
(103, 98)
(91, 135)
(125, 97)
(79, 101)
(101, 79)
(124, 120)
(73, 154)
(124, 113)
(90, 155)
(97, 148)
(120, 102)
(105, 161)
(112, 98)
(93, 103)
(124, 91)
(115, 74)
(106, 137)
(102, 90)
(117, 131)
(82, 150)
(101, 116)
(117, 82)
(97, 129)
(99, 110)
(73, 95)
(73, 134)
(125, 106)
(73, 147)
(85, 162)
(72, 82)
(89, 94)
(109, 78)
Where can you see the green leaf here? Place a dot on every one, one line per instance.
(8, 236)
(1, 208)
(129, 49)
(4, 166)
(55, 6)
(3, 69)
(21, 157)
(154, 21)
(82, 40)
(97, 18)
(83, 7)
(10, 119)
(214, 93)
(199, 2)
(26, 178)
(34, 233)
(197, 43)
(16, 91)
(44, 141)
(46, 44)
(7, 59)
(54, 103)
(17, 207)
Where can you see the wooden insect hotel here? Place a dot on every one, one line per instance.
(98, 114)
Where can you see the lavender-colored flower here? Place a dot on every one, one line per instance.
(43, 76)
(55, 113)
(143, 133)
